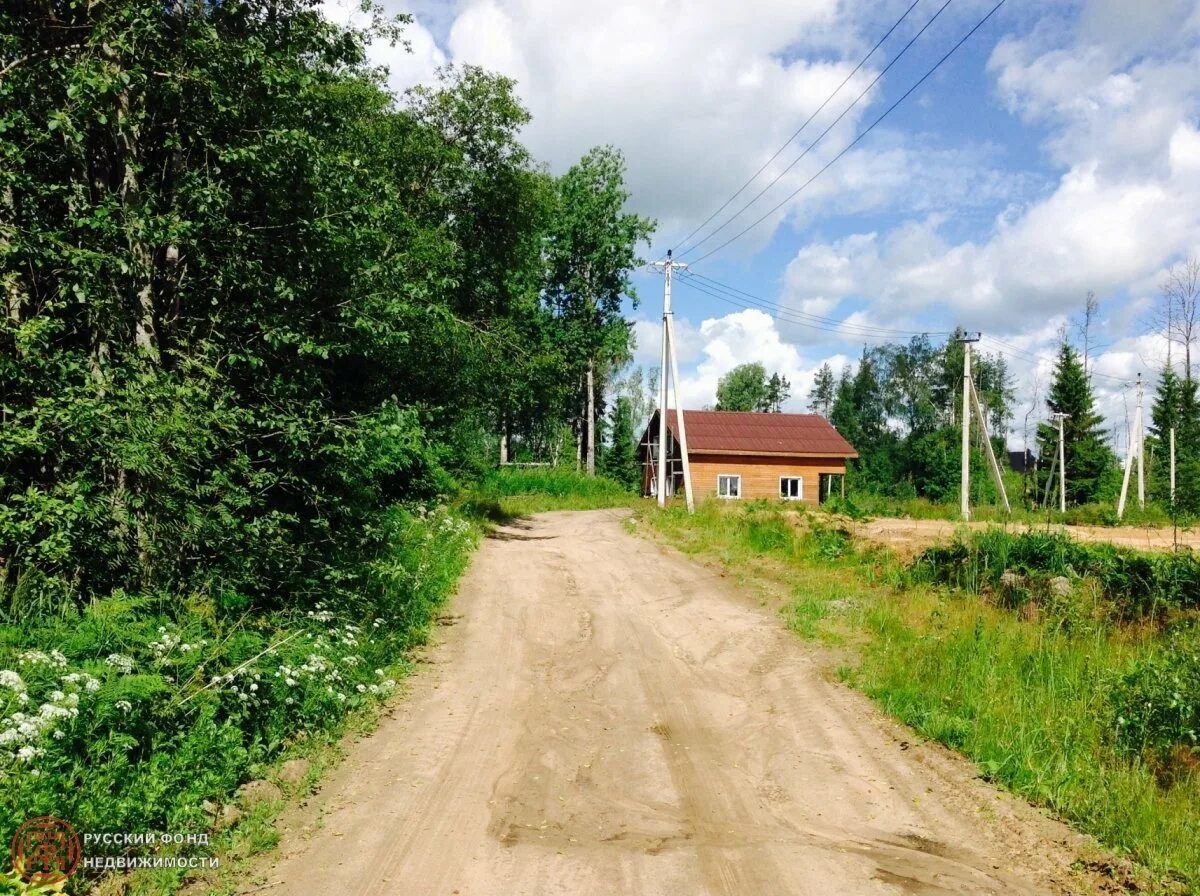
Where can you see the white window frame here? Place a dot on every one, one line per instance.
(799, 496)
(735, 476)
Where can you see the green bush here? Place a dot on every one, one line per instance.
(136, 711)
(1137, 583)
(1156, 704)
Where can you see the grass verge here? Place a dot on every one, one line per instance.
(1034, 692)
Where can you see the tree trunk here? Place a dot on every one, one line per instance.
(503, 438)
(591, 417)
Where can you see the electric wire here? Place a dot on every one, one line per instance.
(800, 130)
(821, 136)
(843, 329)
(748, 301)
(764, 303)
(1028, 355)
(857, 139)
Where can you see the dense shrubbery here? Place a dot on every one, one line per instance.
(1136, 583)
(251, 299)
(1157, 705)
(132, 712)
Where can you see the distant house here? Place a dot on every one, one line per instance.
(1022, 461)
(740, 455)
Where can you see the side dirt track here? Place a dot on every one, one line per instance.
(909, 536)
(607, 717)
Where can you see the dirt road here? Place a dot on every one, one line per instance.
(607, 717)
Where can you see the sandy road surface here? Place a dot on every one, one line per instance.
(607, 717)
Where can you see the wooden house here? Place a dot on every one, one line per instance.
(739, 455)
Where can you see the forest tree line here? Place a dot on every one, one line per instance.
(251, 298)
(900, 406)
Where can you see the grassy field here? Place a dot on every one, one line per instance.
(1077, 700)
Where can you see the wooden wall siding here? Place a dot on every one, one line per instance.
(760, 474)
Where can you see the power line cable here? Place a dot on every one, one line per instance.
(842, 328)
(800, 129)
(857, 139)
(814, 317)
(1045, 359)
(730, 295)
(821, 136)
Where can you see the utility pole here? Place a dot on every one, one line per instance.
(670, 362)
(965, 484)
(1172, 440)
(997, 478)
(971, 402)
(1135, 447)
(1062, 463)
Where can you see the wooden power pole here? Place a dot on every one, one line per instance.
(971, 403)
(1135, 448)
(670, 362)
(1062, 463)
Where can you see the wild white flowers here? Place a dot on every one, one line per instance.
(53, 659)
(119, 661)
(21, 731)
(12, 681)
(89, 684)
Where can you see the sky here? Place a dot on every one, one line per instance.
(1056, 152)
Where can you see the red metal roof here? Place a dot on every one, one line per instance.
(753, 432)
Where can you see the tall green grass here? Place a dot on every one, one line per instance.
(1034, 693)
(1135, 582)
(518, 491)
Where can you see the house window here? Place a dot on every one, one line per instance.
(729, 485)
(791, 488)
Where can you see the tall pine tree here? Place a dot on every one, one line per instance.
(1187, 447)
(820, 396)
(1090, 463)
(1164, 416)
(620, 461)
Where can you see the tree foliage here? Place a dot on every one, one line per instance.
(1176, 407)
(748, 388)
(251, 299)
(1090, 464)
(900, 408)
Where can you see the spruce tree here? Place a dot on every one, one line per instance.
(620, 461)
(1089, 461)
(1187, 449)
(1164, 416)
(844, 413)
(820, 397)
